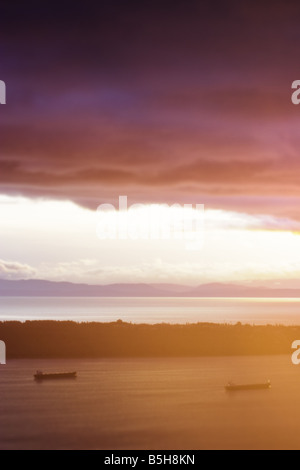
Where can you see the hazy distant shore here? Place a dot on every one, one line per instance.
(54, 339)
(42, 288)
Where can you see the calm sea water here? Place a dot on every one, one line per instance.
(151, 404)
(152, 310)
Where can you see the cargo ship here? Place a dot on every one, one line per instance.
(240, 388)
(57, 376)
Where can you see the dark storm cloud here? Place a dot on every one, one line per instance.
(153, 99)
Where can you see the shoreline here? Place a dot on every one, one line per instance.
(67, 339)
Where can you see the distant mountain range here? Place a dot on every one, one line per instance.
(40, 288)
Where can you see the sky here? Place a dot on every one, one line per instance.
(164, 102)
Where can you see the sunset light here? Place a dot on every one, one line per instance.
(60, 241)
(149, 228)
